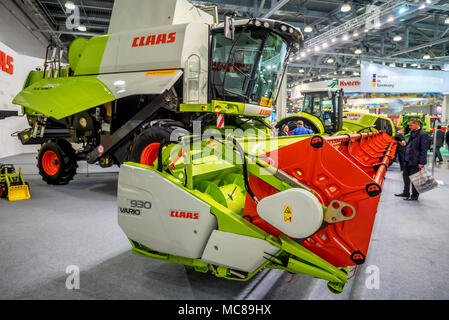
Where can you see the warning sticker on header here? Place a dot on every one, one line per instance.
(288, 214)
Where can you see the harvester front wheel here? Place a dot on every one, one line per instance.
(145, 147)
(57, 162)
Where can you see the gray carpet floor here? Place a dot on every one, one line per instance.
(77, 225)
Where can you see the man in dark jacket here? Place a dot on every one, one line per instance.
(415, 157)
(439, 143)
(400, 150)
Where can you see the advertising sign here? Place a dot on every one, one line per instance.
(380, 78)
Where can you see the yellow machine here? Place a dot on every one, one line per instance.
(12, 184)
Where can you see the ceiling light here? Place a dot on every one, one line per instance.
(335, 39)
(343, 72)
(390, 19)
(422, 6)
(392, 65)
(70, 5)
(428, 1)
(346, 7)
(397, 38)
(301, 70)
(366, 30)
(345, 37)
(82, 28)
(358, 51)
(325, 45)
(404, 65)
(356, 73)
(308, 29)
(377, 25)
(358, 61)
(430, 67)
(414, 64)
(419, 66)
(426, 56)
(446, 21)
(317, 49)
(298, 57)
(355, 34)
(403, 9)
(303, 54)
(330, 60)
(308, 50)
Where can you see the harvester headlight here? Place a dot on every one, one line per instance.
(266, 24)
(284, 28)
(258, 23)
(290, 30)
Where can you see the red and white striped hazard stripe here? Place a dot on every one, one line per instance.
(220, 120)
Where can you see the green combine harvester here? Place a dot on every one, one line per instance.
(178, 100)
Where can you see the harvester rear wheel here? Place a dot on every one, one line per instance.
(145, 147)
(57, 162)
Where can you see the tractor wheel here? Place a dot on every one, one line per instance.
(145, 147)
(57, 162)
(291, 122)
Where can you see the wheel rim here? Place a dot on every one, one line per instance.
(50, 163)
(149, 154)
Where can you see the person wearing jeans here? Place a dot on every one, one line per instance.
(415, 157)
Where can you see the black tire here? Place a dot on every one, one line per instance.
(66, 159)
(145, 138)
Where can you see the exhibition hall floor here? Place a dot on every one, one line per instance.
(77, 225)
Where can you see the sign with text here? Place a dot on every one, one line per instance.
(380, 78)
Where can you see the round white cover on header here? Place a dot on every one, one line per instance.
(295, 212)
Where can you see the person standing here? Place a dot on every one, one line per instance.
(415, 157)
(439, 143)
(300, 129)
(284, 131)
(400, 150)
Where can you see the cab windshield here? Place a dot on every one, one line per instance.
(248, 69)
(319, 105)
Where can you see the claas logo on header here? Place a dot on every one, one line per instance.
(6, 63)
(154, 39)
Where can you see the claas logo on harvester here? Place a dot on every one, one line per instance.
(154, 39)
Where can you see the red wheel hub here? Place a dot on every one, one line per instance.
(149, 154)
(50, 162)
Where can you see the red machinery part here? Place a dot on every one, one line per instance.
(349, 168)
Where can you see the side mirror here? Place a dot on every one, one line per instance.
(229, 28)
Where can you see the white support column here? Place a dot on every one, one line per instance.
(445, 115)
